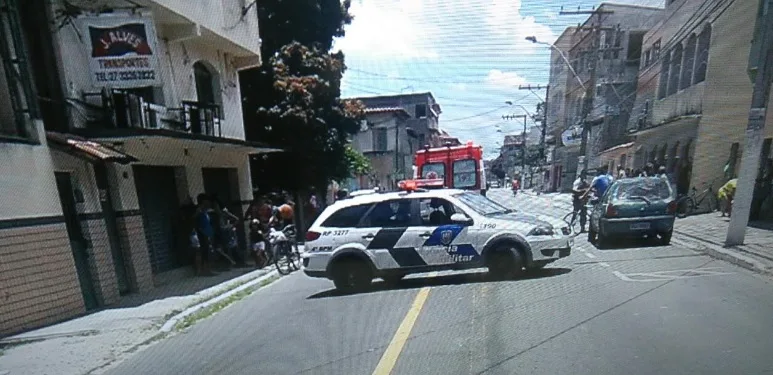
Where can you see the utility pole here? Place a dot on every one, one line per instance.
(755, 128)
(544, 107)
(590, 88)
(523, 140)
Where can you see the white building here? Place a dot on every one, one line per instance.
(138, 108)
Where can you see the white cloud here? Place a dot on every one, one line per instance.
(502, 79)
(459, 87)
(391, 29)
(505, 20)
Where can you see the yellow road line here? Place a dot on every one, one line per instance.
(389, 359)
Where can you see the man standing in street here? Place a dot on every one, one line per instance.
(600, 183)
(205, 232)
(579, 188)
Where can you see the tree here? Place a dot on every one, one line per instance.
(293, 100)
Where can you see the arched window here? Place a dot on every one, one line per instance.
(205, 83)
(688, 63)
(664, 66)
(702, 59)
(676, 69)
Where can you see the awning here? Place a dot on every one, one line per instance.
(87, 149)
(249, 147)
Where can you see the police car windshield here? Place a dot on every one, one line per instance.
(481, 204)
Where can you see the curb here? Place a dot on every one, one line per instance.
(172, 322)
(724, 254)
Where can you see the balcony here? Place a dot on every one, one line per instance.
(123, 110)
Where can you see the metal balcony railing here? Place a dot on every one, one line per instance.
(124, 110)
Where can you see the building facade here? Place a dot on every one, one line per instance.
(138, 110)
(389, 144)
(616, 52)
(694, 92)
(423, 109)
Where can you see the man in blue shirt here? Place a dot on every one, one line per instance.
(600, 183)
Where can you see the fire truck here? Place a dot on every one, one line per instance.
(458, 167)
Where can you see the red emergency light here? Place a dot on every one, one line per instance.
(413, 185)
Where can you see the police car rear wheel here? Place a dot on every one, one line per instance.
(351, 275)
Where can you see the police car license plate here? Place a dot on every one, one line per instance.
(640, 226)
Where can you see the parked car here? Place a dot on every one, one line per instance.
(634, 208)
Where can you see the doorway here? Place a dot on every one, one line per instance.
(159, 204)
(78, 242)
(224, 184)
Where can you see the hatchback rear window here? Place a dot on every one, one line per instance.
(649, 188)
(346, 217)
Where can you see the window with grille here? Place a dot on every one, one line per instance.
(380, 139)
(17, 98)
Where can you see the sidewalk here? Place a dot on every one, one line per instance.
(707, 232)
(91, 343)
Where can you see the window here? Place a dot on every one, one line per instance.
(464, 173)
(433, 170)
(19, 104)
(481, 204)
(635, 40)
(664, 66)
(647, 56)
(421, 111)
(650, 189)
(676, 69)
(389, 214)
(346, 217)
(380, 139)
(435, 211)
(656, 50)
(688, 63)
(702, 60)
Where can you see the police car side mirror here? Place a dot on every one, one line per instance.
(461, 219)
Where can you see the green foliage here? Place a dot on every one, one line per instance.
(293, 100)
(358, 163)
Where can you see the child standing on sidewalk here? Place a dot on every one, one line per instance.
(258, 244)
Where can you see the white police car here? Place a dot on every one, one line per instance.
(390, 235)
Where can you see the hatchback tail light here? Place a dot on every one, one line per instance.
(671, 207)
(611, 211)
(311, 236)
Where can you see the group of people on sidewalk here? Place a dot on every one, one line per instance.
(213, 235)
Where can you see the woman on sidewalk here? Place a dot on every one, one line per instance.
(726, 194)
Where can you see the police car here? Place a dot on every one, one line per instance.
(390, 235)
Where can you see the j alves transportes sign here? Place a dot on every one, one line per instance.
(122, 51)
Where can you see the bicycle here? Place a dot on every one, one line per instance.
(690, 203)
(286, 256)
(574, 225)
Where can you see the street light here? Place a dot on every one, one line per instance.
(522, 107)
(533, 39)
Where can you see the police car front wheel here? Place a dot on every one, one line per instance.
(351, 274)
(504, 262)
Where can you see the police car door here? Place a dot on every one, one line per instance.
(383, 233)
(441, 242)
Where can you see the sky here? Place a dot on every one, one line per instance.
(471, 54)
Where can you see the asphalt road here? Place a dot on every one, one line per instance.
(633, 309)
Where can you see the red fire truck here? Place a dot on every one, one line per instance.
(460, 167)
